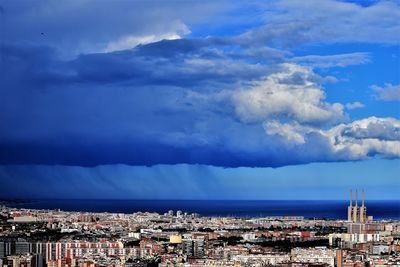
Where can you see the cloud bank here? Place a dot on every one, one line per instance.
(159, 95)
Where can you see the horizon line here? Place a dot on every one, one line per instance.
(186, 199)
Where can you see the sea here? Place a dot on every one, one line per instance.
(319, 209)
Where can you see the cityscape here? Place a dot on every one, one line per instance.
(30, 237)
(190, 133)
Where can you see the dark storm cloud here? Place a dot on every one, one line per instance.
(76, 95)
(167, 62)
(192, 104)
(109, 107)
(76, 27)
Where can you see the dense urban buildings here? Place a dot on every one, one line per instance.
(58, 238)
(199, 133)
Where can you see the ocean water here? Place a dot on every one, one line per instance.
(329, 209)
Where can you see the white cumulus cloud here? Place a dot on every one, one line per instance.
(293, 93)
(360, 139)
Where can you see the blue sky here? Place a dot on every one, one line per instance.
(199, 100)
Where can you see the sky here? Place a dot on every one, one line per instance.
(199, 99)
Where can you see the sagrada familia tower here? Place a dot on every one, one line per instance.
(357, 214)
